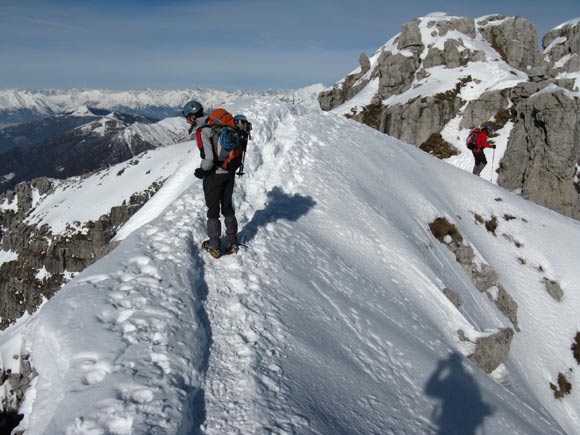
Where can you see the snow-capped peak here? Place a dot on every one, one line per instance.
(82, 110)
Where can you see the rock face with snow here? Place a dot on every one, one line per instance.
(45, 261)
(443, 75)
(52, 229)
(544, 152)
(562, 47)
(515, 39)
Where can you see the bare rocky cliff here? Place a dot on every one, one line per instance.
(45, 261)
(426, 80)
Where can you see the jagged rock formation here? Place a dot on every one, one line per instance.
(15, 386)
(562, 46)
(427, 81)
(482, 275)
(490, 350)
(543, 153)
(46, 261)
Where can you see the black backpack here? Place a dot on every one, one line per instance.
(471, 141)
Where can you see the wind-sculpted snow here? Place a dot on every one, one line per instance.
(331, 320)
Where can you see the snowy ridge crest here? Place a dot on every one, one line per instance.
(126, 344)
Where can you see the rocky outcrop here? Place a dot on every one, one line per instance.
(415, 121)
(515, 39)
(482, 275)
(543, 152)
(45, 260)
(14, 386)
(542, 157)
(562, 46)
(490, 351)
(348, 88)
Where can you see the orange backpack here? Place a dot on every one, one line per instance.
(230, 135)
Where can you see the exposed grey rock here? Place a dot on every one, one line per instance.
(451, 56)
(16, 384)
(453, 297)
(461, 25)
(484, 278)
(410, 37)
(554, 289)
(364, 62)
(483, 109)
(341, 92)
(568, 47)
(415, 121)
(543, 151)
(20, 288)
(396, 73)
(515, 40)
(493, 350)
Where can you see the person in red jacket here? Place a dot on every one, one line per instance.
(478, 154)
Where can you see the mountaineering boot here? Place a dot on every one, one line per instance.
(232, 248)
(214, 252)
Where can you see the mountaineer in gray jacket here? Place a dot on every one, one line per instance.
(218, 184)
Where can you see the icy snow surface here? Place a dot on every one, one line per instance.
(331, 320)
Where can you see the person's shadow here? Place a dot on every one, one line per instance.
(280, 205)
(462, 409)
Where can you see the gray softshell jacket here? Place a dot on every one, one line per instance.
(207, 164)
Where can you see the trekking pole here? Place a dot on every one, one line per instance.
(492, 160)
(241, 171)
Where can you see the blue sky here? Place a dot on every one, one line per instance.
(222, 44)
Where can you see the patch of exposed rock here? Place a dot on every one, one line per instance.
(490, 350)
(515, 39)
(562, 47)
(14, 386)
(483, 277)
(45, 260)
(554, 289)
(415, 121)
(543, 152)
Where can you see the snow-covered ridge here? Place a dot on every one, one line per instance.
(345, 331)
(84, 199)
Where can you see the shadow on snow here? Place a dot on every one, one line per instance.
(462, 409)
(197, 396)
(280, 205)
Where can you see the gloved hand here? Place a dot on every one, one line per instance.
(493, 146)
(199, 173)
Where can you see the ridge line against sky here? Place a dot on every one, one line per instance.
(219, 44)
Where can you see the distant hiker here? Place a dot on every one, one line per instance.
(476, 142)
(221, 140)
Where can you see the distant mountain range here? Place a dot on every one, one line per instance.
(77, 143)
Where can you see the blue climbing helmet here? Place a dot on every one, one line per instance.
(489, 128)
(192, 108)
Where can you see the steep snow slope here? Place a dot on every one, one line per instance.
(332, 320)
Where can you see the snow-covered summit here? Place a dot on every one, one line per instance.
(82, 110)
(352, 327)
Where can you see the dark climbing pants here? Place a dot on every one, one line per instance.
(218, 190)
(480, 162)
